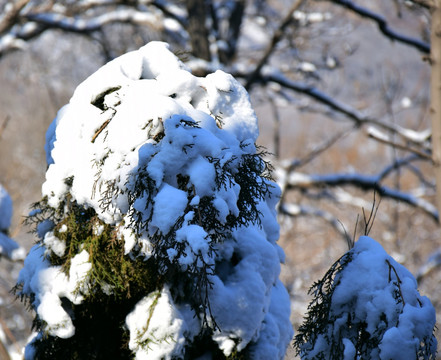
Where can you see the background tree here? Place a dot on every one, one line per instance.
(435, 88)
(341, 89)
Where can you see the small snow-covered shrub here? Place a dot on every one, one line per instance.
(367, 306)
(5, 210)
(8, 247)
(157, 224)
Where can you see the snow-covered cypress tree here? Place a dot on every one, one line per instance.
(367, 306)
(157, 228)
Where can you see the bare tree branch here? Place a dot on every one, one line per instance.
(320, 149)
(295, 210)
(4, 351)
(428, 4)
(21, 26)
(384, 26)
(358, 117)
(88, 25)
(227, 19)
(9, 18)
(364, 182)
(435, 102)
(383, 138)
(406, 162)
(277, 36)
(168, 12)
(287, 167)
(433, 262)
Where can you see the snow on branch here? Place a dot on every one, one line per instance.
(406, 162)
(17, 38)
(427, 4)
(433, 262)
(11, 12)
(384, 26)
(81, 25)
(296, 210)
(386, 139)
(23, 21)
(360, 119)
(364, 182)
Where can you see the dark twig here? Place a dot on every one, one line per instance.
(9, 18)
(296, 210)
(320, 149)
(369, 221)
(427, 4)
(355, 228)
(398, 279)
(3, 125)
(347, 237)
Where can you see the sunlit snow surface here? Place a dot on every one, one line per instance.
(137, 113)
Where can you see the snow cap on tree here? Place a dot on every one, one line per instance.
(367, 306)
(157, 198)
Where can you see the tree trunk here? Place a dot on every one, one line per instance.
(4, 355)
(435, 106)
(235, 22)
(197, 15)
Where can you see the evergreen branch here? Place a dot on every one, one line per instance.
(369, 221)
(392, 268)
(318, 316)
